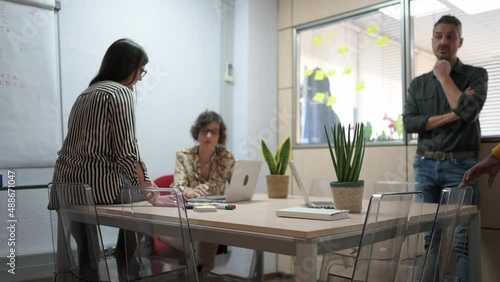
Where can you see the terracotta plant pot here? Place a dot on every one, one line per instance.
(277, 186)
(348, 195)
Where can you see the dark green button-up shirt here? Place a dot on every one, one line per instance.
(426, 98)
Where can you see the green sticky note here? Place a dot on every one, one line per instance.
(319, 97)
(383, 41)
(371, 29)
(347, 71)
(320, 75)
(360, 86)
(317, 40)
(308, 72)
(343, 50)
(331, 100)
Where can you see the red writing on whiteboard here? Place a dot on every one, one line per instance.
(11, 80)
(29, 49)
(4, 24)
(36, 15)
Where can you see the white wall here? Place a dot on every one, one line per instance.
(255, 103)
(254, 100)
(183, 42)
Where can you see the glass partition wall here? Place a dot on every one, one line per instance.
(350, 68)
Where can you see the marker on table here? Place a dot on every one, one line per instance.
(222, 206)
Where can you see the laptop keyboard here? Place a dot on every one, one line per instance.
(323, 203)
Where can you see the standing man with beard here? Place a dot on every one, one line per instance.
(443, 107)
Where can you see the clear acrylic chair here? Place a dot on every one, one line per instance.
(346, 258)
(80, 251)
(388, 186)
(170, 223)
(443, 252)
(390, 218)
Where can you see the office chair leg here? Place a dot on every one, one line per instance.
(257, 266)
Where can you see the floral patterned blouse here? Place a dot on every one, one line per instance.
(188, 170)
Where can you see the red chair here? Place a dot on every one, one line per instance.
(164, 181)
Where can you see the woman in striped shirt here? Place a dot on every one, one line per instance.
(100, 148)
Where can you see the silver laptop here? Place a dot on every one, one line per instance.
(242, 186)
(309, 203)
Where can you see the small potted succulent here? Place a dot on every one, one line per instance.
(277, 181)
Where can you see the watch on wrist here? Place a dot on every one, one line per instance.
(150, 196)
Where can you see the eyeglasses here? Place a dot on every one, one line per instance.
(213, 132)
(143, 72)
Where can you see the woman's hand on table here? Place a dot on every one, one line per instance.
(165, 201)
(200, 190)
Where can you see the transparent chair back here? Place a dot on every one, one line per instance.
(393, 186)
(442, 253)
(80, 250)
(170, 224)
(389, 220)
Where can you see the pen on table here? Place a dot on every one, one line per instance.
(222, 206)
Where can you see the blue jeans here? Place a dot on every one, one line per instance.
(433, 176)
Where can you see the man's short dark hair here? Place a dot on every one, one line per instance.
(449, 19)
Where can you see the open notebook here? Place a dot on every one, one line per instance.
(302, 189)
(242, 186)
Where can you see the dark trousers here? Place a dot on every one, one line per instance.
(127, 240)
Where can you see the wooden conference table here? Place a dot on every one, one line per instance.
(254, 225)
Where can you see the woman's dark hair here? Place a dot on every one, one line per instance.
(122, 59)
(204, 119)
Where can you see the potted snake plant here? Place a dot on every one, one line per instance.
(277, 181)
(347, 158)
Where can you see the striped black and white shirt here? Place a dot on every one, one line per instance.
(101, 147)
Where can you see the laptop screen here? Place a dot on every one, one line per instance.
(243, 183)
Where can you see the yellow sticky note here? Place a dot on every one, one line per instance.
(308, 72)
(347, 71)
(319, 97)
(330, 73)
(371, 29)
(331, 100)
(360, 86)
(317, 40)
(204, 209)
(343, 50)
(383, 41)
(320, 75)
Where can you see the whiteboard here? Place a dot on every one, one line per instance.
(30, 107)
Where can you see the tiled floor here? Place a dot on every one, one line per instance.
(271, 278)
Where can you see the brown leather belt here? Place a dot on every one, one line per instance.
(441, 156)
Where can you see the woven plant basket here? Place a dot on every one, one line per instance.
(277, 186)
(348, 195)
